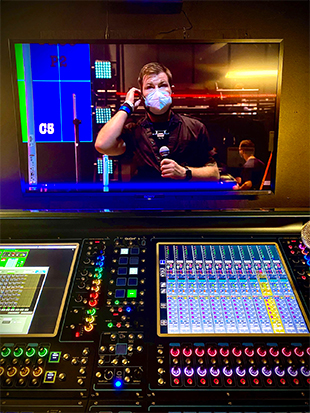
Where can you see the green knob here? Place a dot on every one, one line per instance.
(42, 351)
(18, 351)
(5, 352)
(30, 352)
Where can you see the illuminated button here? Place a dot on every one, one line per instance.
(110, 325)
(24, 371)
(286, 351)
(215, 372)
(253, 371)
(280, 372)
(42, 351)
(6, 351)
(212, 351)
(11, 371)
(262, 352)
(228, 372)
(199, 351)
(189, 371)
(175, 371)
(292, 371)
(274, 351)
(266, 371)
(202, 372)
(305, 371)
(91, 311)
(30, 351)
(131, 293)
(50, 377)
(124, 251)
(175, 351)
(249, 351)
(37, 371)
(299, 352)
(88, 328)
(237, 351)
(187, 351)
(54, 357)
(18, 351)
(118, 384)
(224, 351)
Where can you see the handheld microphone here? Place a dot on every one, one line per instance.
(164, 151)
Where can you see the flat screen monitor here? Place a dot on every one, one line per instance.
(34, 282)
(227, 289)
(66, 91)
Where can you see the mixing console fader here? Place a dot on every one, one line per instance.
(158, 324)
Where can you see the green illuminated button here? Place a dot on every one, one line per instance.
(42, 351)
(30, 352)
(131, 293)
(91, 311)
(116, 302)
(5, 352)
(18, 351)
(110, 325)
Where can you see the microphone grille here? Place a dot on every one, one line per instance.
(164, 151)
(305, 234)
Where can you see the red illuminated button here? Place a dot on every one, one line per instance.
(237, 351)
(187, 351)
(189, 381)
(199, 351)
(286, 351)
(299, 352)
(229, 381)
(175, 351)
(93, 303)
(249, 351)
(212, 351)
(262, 352)
(274, 351)
(224, 351)
(203, 381)
(242, 381)
(176, 381)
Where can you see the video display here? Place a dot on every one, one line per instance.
(34, 280)
(67, 91)
(226, 289)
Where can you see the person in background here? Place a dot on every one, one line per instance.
(253, 168)
(163, 145)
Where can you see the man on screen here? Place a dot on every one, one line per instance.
(253, 169)
(163, 145)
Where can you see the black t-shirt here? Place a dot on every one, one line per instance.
(253, 170)
(186, 138)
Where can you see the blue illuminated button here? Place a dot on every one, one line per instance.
(135, 251)
(120, 281)
(54, 357)
(123, 260)
(118, 383)
(132, 282)
(119, 293)
(122, 271)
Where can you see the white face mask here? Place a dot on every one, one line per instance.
(158, 101)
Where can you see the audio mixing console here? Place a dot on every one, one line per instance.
(121, 323)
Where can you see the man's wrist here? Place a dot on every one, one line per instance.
(127, 107)
(188, 174)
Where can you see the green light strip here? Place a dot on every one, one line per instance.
(21, 91)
